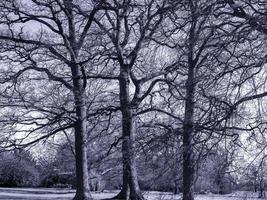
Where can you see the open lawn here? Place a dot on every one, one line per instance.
(67, 194)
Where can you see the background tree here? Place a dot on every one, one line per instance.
(18, 169)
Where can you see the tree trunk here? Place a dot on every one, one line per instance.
(176, 187)
(83, 190)
(130, 189)
(188, 125)
(261, 188)
(188, 128)
(79, 84)
(176, 165)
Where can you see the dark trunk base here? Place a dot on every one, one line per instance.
(123, 195)
(176, 190)
(138, 196)
(82, 197)
(189, 196)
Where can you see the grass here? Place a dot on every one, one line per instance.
(67, 194)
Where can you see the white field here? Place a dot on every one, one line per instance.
(66, 194)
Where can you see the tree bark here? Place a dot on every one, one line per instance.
(188, 124)
(130, 189)
(79, 84)
(188, 129)
(82, 177)
(176, 165)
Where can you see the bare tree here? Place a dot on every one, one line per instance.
(129, 28)
(52, 37)
(208, 46)
(190, 68)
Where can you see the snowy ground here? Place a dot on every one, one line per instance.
(65, 194)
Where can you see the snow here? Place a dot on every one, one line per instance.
(68, 194)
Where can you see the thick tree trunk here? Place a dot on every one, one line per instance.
(125, 191)
(188, 129)
(83, 190)
(130, 189)
(79, 84)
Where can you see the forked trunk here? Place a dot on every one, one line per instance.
(130, 189)
(79, 84)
